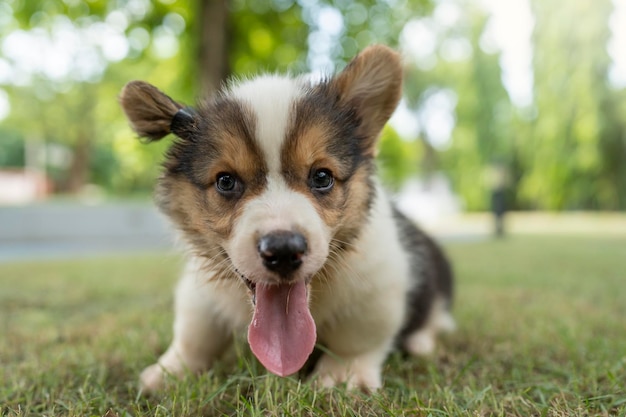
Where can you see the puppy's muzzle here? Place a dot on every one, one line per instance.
(282, 252)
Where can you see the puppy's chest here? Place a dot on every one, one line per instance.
(358, 285)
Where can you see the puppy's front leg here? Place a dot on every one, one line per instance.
(361, 371)
(359, 337)
(201, 332)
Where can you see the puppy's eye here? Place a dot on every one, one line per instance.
(228, 184)
(321, 180)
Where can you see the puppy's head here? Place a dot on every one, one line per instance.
(268, 177)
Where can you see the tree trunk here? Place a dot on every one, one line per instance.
(213, 28)
(78, 172)
(430, 161)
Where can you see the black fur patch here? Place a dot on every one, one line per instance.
(431, 272)
(183, 122)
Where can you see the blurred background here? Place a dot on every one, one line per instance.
(509, 105)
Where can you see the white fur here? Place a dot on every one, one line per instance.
(271, 99)
(206, 313)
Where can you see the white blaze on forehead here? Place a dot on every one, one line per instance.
(271, 99)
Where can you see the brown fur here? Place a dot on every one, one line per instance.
(194, 204)
(344, 208)
(372, 85)
(149, 110)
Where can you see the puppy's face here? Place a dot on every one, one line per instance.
(270, 176)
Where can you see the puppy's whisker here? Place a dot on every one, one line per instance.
(338, 243)
(341, 269)
(219, 265)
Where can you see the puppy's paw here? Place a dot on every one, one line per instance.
(421, 343)
(356, 373)
(152, 379)
(170, 364)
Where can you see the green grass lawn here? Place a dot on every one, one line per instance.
(542, 331)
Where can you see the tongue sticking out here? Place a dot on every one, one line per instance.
(282, 333)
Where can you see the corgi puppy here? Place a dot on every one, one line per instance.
(272, 185)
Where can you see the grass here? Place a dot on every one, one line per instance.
(541, 332)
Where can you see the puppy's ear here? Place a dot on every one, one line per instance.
(372, 85)
(152, 114)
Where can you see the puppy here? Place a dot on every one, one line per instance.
(272, 185)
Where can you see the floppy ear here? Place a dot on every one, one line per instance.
(152, 114)
(372, 85)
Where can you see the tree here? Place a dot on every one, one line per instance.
(214, 33)
(186, 47)
(61, 92)
(576, 152)
(567, 150)
(471, 79)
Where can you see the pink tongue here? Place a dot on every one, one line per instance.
(282, 333)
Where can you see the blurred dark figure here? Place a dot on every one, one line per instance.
(498, 208)
(498, 180)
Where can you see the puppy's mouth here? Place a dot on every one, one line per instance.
(251, 285)
(282, 333)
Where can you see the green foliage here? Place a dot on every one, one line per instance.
(483, 112)
(567, 150)
(74, 111)
(398, 159)
(540, 333)
(372, 21)
(270, 36)
(12, 153)
(578, 123)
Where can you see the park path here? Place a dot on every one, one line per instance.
(66, 230)
(71, 229)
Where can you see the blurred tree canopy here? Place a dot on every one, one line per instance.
(63, 63)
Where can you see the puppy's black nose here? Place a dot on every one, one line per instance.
(282, 251)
